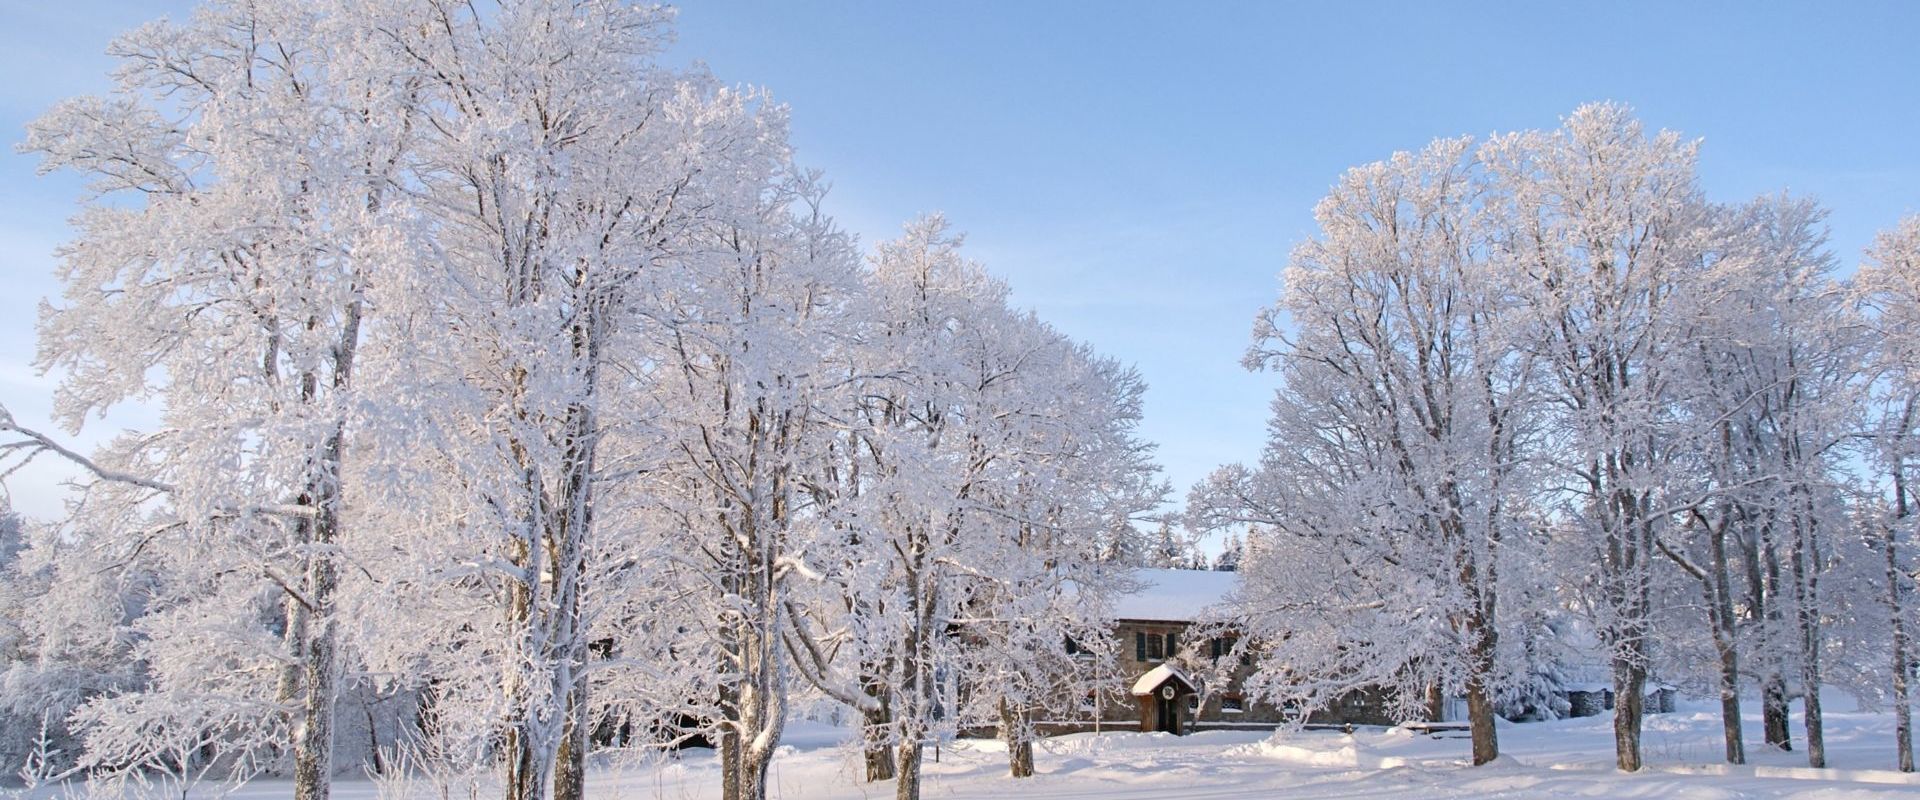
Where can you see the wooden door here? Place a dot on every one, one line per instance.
(1169, 714)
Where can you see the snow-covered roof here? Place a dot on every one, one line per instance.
(1174, 595)
(1159, 675)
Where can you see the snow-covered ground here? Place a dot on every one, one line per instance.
(1570, 758)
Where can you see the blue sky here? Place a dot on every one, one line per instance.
(1138, 171)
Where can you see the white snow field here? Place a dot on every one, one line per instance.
(1569, 758)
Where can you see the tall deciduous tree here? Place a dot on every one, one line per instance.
(1889, 288)
(1606, 224)
(244, 171)
(1405, 400)
(605, 230)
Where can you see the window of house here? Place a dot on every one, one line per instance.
(1172, 644)
(1073, 647)
(1154, 650)
(1232, 704)
(1139, 646)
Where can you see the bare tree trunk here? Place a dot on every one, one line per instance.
(763, 712)
(1736, 747)
(876, 723)
(1480, 712)
(754, 766)
(313, 740)
(1480, 720)
(1630, 543)
(520, 748)
(907, 787)
(1436, 703)
(1716, 589)
(1902, 707)
(1896, 607)
(1724, 642)
(729, 762)
(522, 779)
(295, 636)
(1014, 730)
(1484, 637)
(1773, 711)
(916, 656)
(293, 674)
(1762, 612)
(1806, 568)
(570, 769)
(1810, 698)
(875, 750)
(571, 532)
(1629, 709)
(373, 742)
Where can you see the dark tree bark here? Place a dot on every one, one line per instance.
(1896, 591)
(1720, 596)
(1480, 721)
(729, 746)
(1716, 591)
(1015, 731)
(313, 738)
(875, 751)
(1629, 709)
(1484, 637)
(1774, 713)
(1806, 573)
(1902, 708)
(570, 771)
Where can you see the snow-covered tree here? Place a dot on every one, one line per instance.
(1770, 371)
(64, 640)
(1607, 227)
(1232, 551)
(1070, 466)
(987, 459)
(752, 353)
(512, 189)
(565, 172)
(1171, 550)
(1505, 365)
(1889, 290)
(1391, 476)
(243, 168)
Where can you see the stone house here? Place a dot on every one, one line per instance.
(1157, 653)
